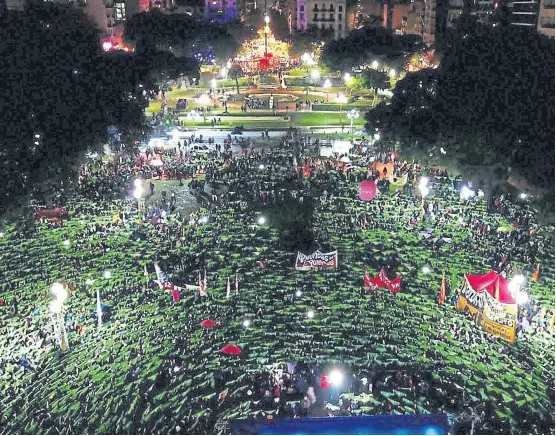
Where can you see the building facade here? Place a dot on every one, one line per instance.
(545, 24)
(221, 10)
(325, 15)
(524, 13)
(429, 22)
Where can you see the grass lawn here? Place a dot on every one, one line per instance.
(300, 119)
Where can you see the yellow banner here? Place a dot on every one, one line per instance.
(499, 319)
(494, 317)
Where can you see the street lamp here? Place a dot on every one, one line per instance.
(266, 32)
(59, 295)
(315, 74)
(347, 81)
(392, 73)
(341, 99)
(352, 114)
(326, 85)
(138, 194)
(424, 191)
(375, 65)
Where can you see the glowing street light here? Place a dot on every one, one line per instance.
(352, 114)
(310, 314)
(341, 100)
(266, 32)
(298, 294)
(466, 193)
(326, 85)
(336, 377)
(261, 220)
(246, 323)
(315, 74)
(56, 308)
(392, 73)
(307, 59)
(374, 65)
(424, 191)
(523, 196)
(204, 100)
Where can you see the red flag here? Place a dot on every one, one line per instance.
(237, 286)
(228, 288)
(174, 290)
(367, 279)
(307, 169)
(535, 276)
(442, 296)
(394, 285)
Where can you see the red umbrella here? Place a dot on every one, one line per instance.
(208, 323)
(231, 349)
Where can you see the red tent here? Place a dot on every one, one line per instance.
(491, 282)
(231, 349)
(208, 323)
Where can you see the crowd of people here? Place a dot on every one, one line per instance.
(152, 368)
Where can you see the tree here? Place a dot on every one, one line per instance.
(483, 111)
(235, 73)
(363, 45)
(377, 80)
(59, 95)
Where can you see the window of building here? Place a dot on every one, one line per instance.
(302, 8)
(316, 17)
(340, 9)
(340, 27)
(302, 16)
(331, 7)
(330, 27)
(331, 17)
(339, 16)
(120, 11)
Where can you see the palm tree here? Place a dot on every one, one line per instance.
(235, 73)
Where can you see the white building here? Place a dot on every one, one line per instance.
(326, 15)
(546, 18)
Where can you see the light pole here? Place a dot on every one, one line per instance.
(341, 99)
(59, 295)
(326, 85)
(315, 74)
(352, 114)
(347, 81)
(138, 194)
(424, 191)
(266, 32)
